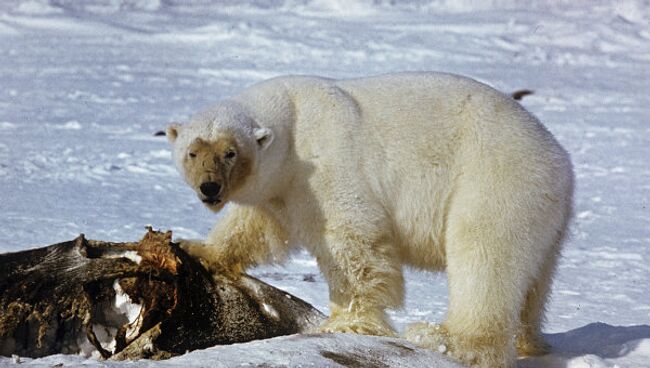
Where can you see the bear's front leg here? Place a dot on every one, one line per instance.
(364, 277)
(246, 236)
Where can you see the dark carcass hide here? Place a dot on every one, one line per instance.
(134, 300)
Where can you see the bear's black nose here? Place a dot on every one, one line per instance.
(210, 189)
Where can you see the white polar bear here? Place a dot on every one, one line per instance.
(428, 170)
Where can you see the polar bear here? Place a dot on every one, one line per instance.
(429, 170)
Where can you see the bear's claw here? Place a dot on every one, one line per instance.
(356, 325)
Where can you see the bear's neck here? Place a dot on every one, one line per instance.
(271, 180)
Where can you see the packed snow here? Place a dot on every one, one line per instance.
(86, 84)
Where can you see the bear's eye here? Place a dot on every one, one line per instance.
(192, 154)
(230, 154)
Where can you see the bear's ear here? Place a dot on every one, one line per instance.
(172, 131)
(264, 137)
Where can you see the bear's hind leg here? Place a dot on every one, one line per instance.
(489, 258)
(529, 338)
(485, 298)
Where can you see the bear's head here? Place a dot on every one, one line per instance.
(218, 155)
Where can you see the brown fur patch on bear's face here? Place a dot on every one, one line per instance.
(216, 169)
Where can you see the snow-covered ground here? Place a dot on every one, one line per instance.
(84, 85)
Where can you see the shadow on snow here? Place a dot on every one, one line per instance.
(598, 339)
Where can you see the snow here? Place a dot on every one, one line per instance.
(318, 350)
(85, 85)
(126, 306)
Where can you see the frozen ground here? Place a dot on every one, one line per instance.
(84, 85)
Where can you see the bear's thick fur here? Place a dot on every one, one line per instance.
(428, 170)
